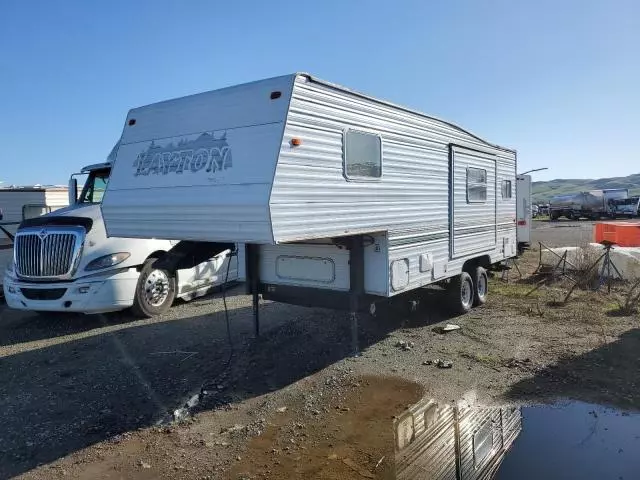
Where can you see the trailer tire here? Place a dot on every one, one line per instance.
(480, 286)
(155, 291)
(460, 294)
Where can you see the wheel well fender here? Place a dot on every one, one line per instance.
(157, 254)
(471, 264)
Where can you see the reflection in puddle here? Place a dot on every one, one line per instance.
(461, 441)
(570, 440)
(386, 428)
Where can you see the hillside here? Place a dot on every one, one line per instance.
(543, 191)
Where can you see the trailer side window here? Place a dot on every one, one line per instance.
(362, 155)
(476, 185)
(506, 189)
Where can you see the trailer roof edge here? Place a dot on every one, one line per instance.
(401, 107)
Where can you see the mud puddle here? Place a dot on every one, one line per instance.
(388, 428)
(350, 437)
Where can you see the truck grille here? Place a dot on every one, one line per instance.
(47, 252)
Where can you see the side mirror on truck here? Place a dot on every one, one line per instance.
(73, 191)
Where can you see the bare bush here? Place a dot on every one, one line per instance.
(587, 266)
(631, 300)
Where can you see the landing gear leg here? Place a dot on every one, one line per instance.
(256, 313)
(356, 270)
(355, 348)
(253, 277)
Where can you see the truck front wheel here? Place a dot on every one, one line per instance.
(155, 291)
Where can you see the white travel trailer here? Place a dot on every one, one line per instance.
(343, 200)
(64, 262)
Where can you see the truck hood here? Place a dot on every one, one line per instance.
(91, 211)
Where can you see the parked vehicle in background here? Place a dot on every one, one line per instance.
(535, 211)
(593, 205)
(21, 203)
(625, 207)
(64, 261)
(543, 210)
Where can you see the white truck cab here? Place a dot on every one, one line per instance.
(64, 261)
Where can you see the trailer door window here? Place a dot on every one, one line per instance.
(476, 185)
(362, 156)
(506, 189)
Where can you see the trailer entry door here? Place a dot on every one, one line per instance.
(472, 193)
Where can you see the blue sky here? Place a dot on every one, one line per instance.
(557, 80)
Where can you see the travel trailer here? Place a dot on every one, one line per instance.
(342, 200)
(64, 262)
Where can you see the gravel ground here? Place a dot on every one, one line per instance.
(83, 396)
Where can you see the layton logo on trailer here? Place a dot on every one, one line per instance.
(205, 152)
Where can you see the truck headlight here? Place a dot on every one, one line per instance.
(107, 261)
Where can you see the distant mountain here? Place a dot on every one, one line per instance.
(543, 191)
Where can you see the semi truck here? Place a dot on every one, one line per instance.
(64, 262)
(593, 204)
(626, 207)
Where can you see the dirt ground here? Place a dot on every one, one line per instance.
(95, 397)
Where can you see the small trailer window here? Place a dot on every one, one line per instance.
(506, 189)
(476, 185)
(362, 155)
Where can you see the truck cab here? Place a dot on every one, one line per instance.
(64, 261)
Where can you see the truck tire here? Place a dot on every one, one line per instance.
(155, 291)
(460, 294)
(480, 286)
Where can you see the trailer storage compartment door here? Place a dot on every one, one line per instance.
(473, 202)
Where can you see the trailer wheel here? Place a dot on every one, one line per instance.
(481, 286)
(155, 291)
(460, 293)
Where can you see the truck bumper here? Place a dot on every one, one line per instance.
(97, 294)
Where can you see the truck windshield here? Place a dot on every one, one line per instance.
(95, 186)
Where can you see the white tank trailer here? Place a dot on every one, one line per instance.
(593, 204)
